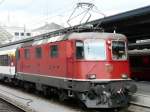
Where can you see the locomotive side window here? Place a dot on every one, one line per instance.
(4, 60)
(27, 53)
(54, 51)
(79, 50)
(119, 50)
(38, 52)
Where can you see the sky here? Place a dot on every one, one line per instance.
(35, 13)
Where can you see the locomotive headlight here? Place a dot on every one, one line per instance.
(108, 42)
(124, 76)
(91, 76)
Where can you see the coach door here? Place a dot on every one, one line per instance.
(19, 63)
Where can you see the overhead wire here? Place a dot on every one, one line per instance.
(62, 11)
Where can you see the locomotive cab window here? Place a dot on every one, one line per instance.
(54, 51)
(91, 49)
(119, 50)
(38, 52)
(79, 50)
(95, 49)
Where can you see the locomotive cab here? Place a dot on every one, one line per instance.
(100, 70)
(99, 58)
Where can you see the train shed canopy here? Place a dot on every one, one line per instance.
(4, 36)
(135, 24)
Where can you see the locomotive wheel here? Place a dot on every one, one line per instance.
(6, 80)
(62, 95)
(28, 87)
(91, 94)
(47, 93)
(82, 105)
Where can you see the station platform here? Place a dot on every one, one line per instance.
(141, 100)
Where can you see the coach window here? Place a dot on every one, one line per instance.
(4, 60)
(27, 53)
(38, 52)
(54, 51)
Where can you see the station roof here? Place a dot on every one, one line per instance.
(135, 24)
(4, 36)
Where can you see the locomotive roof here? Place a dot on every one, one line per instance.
(78, 36)
(96, 35)
(68, 36)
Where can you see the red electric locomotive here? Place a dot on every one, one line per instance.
(90, 66)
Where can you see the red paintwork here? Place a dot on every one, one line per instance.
(82, 68)
(45, 65)
(67, 66)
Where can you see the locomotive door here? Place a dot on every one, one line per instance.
(11, 64)
(38, 59)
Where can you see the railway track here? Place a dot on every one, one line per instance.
(32, 103)
(29, 102)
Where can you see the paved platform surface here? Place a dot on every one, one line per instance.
(142, 97)
(143, 87)
(141, 100)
